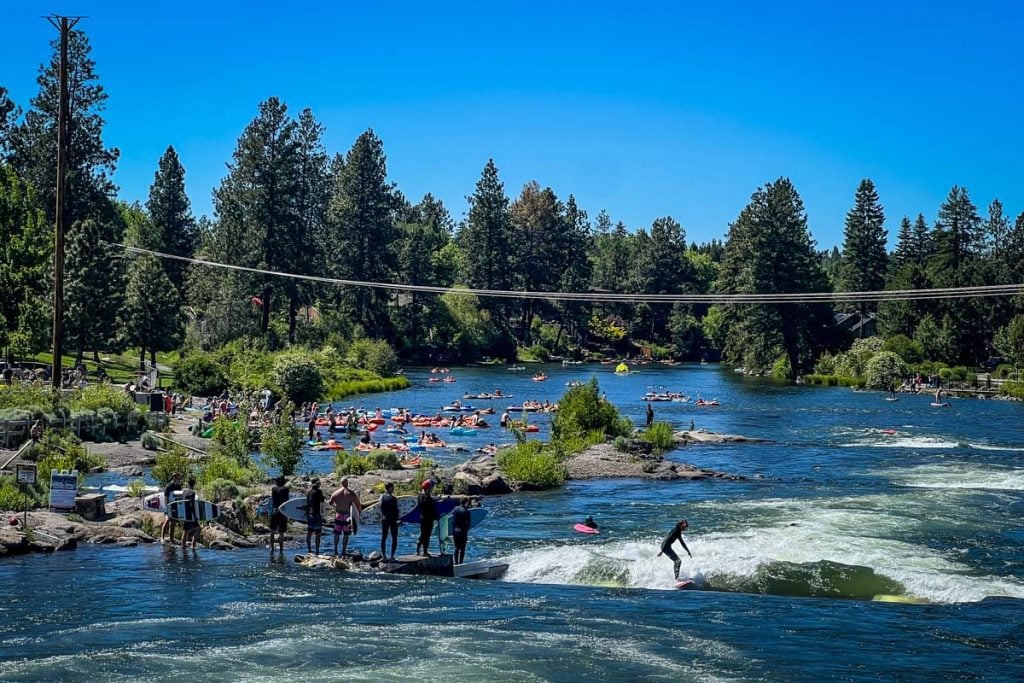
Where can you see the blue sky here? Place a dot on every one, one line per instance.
(676, 108)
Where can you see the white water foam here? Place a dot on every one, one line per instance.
(877, 439)
(812, 531)
(959, 476)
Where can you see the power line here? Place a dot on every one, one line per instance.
(607, 297)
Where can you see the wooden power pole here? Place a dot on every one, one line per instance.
(64, 25)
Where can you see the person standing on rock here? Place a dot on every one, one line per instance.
(666, 545)
(344, 501)
(389, 520)
(650, 415)
(314, 516)
(167, 528)
(278, 523)
(428, 515)
(460, 529)
(190, 527)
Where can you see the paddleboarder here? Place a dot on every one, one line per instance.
(389, 520)
(314, 518)
(666, 545)
(428, 515)
(460, 529)
(344, 501)
(278, 522)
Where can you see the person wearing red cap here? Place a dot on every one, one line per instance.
(428, 515)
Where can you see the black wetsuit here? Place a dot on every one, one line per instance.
(388, 523)
(666, 547)
(278, 496)
(460, 532)
(169, 496)
(191, 523)
(314, 510)
(428, 515)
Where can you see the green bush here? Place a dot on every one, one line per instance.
(582, 411)
(344, 388)
(781, 368)
(825, 365)
(200, 374)
(150, 442)
(351, 463)
(661, 436)
(231, 438)
(99, 396)
(1013, 390)
(834, 381)
(136, 488)
(174, 460)
(63, 451)
(384, 459)
(221, 489)
(885, 369)
(225, 467)
(298, 378)
(12, 498)
(17, 396)
(533, 463)
(909, 350)
(621, 444)
(1003, 371)
(282, 443)
(375, 355)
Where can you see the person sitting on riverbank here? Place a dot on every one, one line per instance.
(666, 546)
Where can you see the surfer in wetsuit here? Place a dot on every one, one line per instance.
(190, 527)
(314, 517)
(590, 523)
(168, 525)
(344, 501)
(460, 529)
(666, 545)
(389, 520)
(428, 515)
(278, 522)
(650, 415)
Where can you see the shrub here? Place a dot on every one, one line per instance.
(99, 396)
(62, 451)
(351, 463)
(298, 378)
(174, 460)
(136, 488)
(660, 435)
(199, 374)
(150, 442)
(582, 411)
(375, 355)
(16, 396)
(907, 349)
(221, 489)
(282, 443)
(231, 438)
(621, 444)
(221, 466)
(12, 498)
(825, 365)
(885, 369)
(848, 365)
(384, 460)
(1013, 390)
(781, 368)
(533, 463)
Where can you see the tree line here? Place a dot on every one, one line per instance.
(287, 204)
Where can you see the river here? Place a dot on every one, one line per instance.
(853, 497)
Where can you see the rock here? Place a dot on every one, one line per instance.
(495, 484)
(129, 470)
(127, 542)
(702, 436)
(465, 483)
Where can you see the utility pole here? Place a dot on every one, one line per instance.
(64, 25)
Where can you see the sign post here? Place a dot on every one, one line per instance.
(25, 475)
(63, 489)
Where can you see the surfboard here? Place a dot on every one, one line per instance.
(295, 510)
(584, 529)
(442, 505)
(939, 405)
(371, 513)
(198, 510)
(476, 518)
(891, 399)
(685, 584)
(155, 502)
(906, 599)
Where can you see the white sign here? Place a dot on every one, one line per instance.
(63, 489)
(26, 474)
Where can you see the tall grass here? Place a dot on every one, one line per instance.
(533, 463)
(344, 388)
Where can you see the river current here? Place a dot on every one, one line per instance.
(853, 497)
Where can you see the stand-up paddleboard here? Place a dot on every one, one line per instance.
(155, 502)
(295, 510)
(442, 505)
(685, 584)
(197, 510)
(584, 529)
(371, 513)
(939, 405)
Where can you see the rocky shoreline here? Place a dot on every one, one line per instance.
(126, 524)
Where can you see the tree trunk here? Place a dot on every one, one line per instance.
(293, 310)
(142, 359)
(152, 358)
(265, 319)
(79, 355)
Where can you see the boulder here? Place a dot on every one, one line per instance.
(495, 484)
(465, 483)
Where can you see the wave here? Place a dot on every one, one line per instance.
(959, 476)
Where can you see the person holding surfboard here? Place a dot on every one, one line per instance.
(389, 520)
(168, 525)
(314, 519)
(344, 500)
(278, 522)
(428, 515)
(460, 529)
(666, 546)
(190, 527)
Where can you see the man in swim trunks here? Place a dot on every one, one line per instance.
(278, 522)
(666, 545)
(314, 518)
(344, 501)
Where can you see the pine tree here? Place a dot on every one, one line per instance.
(486, 237)
(769, 250)
(996, 229)
(170, 212)
(90, 163)
(923, 241)
(26, 260)
(957, 232)
(8, 116)
(659, 266)
(904, 244)
(364, 233)
(93, 289)
(538, 237)
(864, 245)
(152, 314)
(576, 268)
